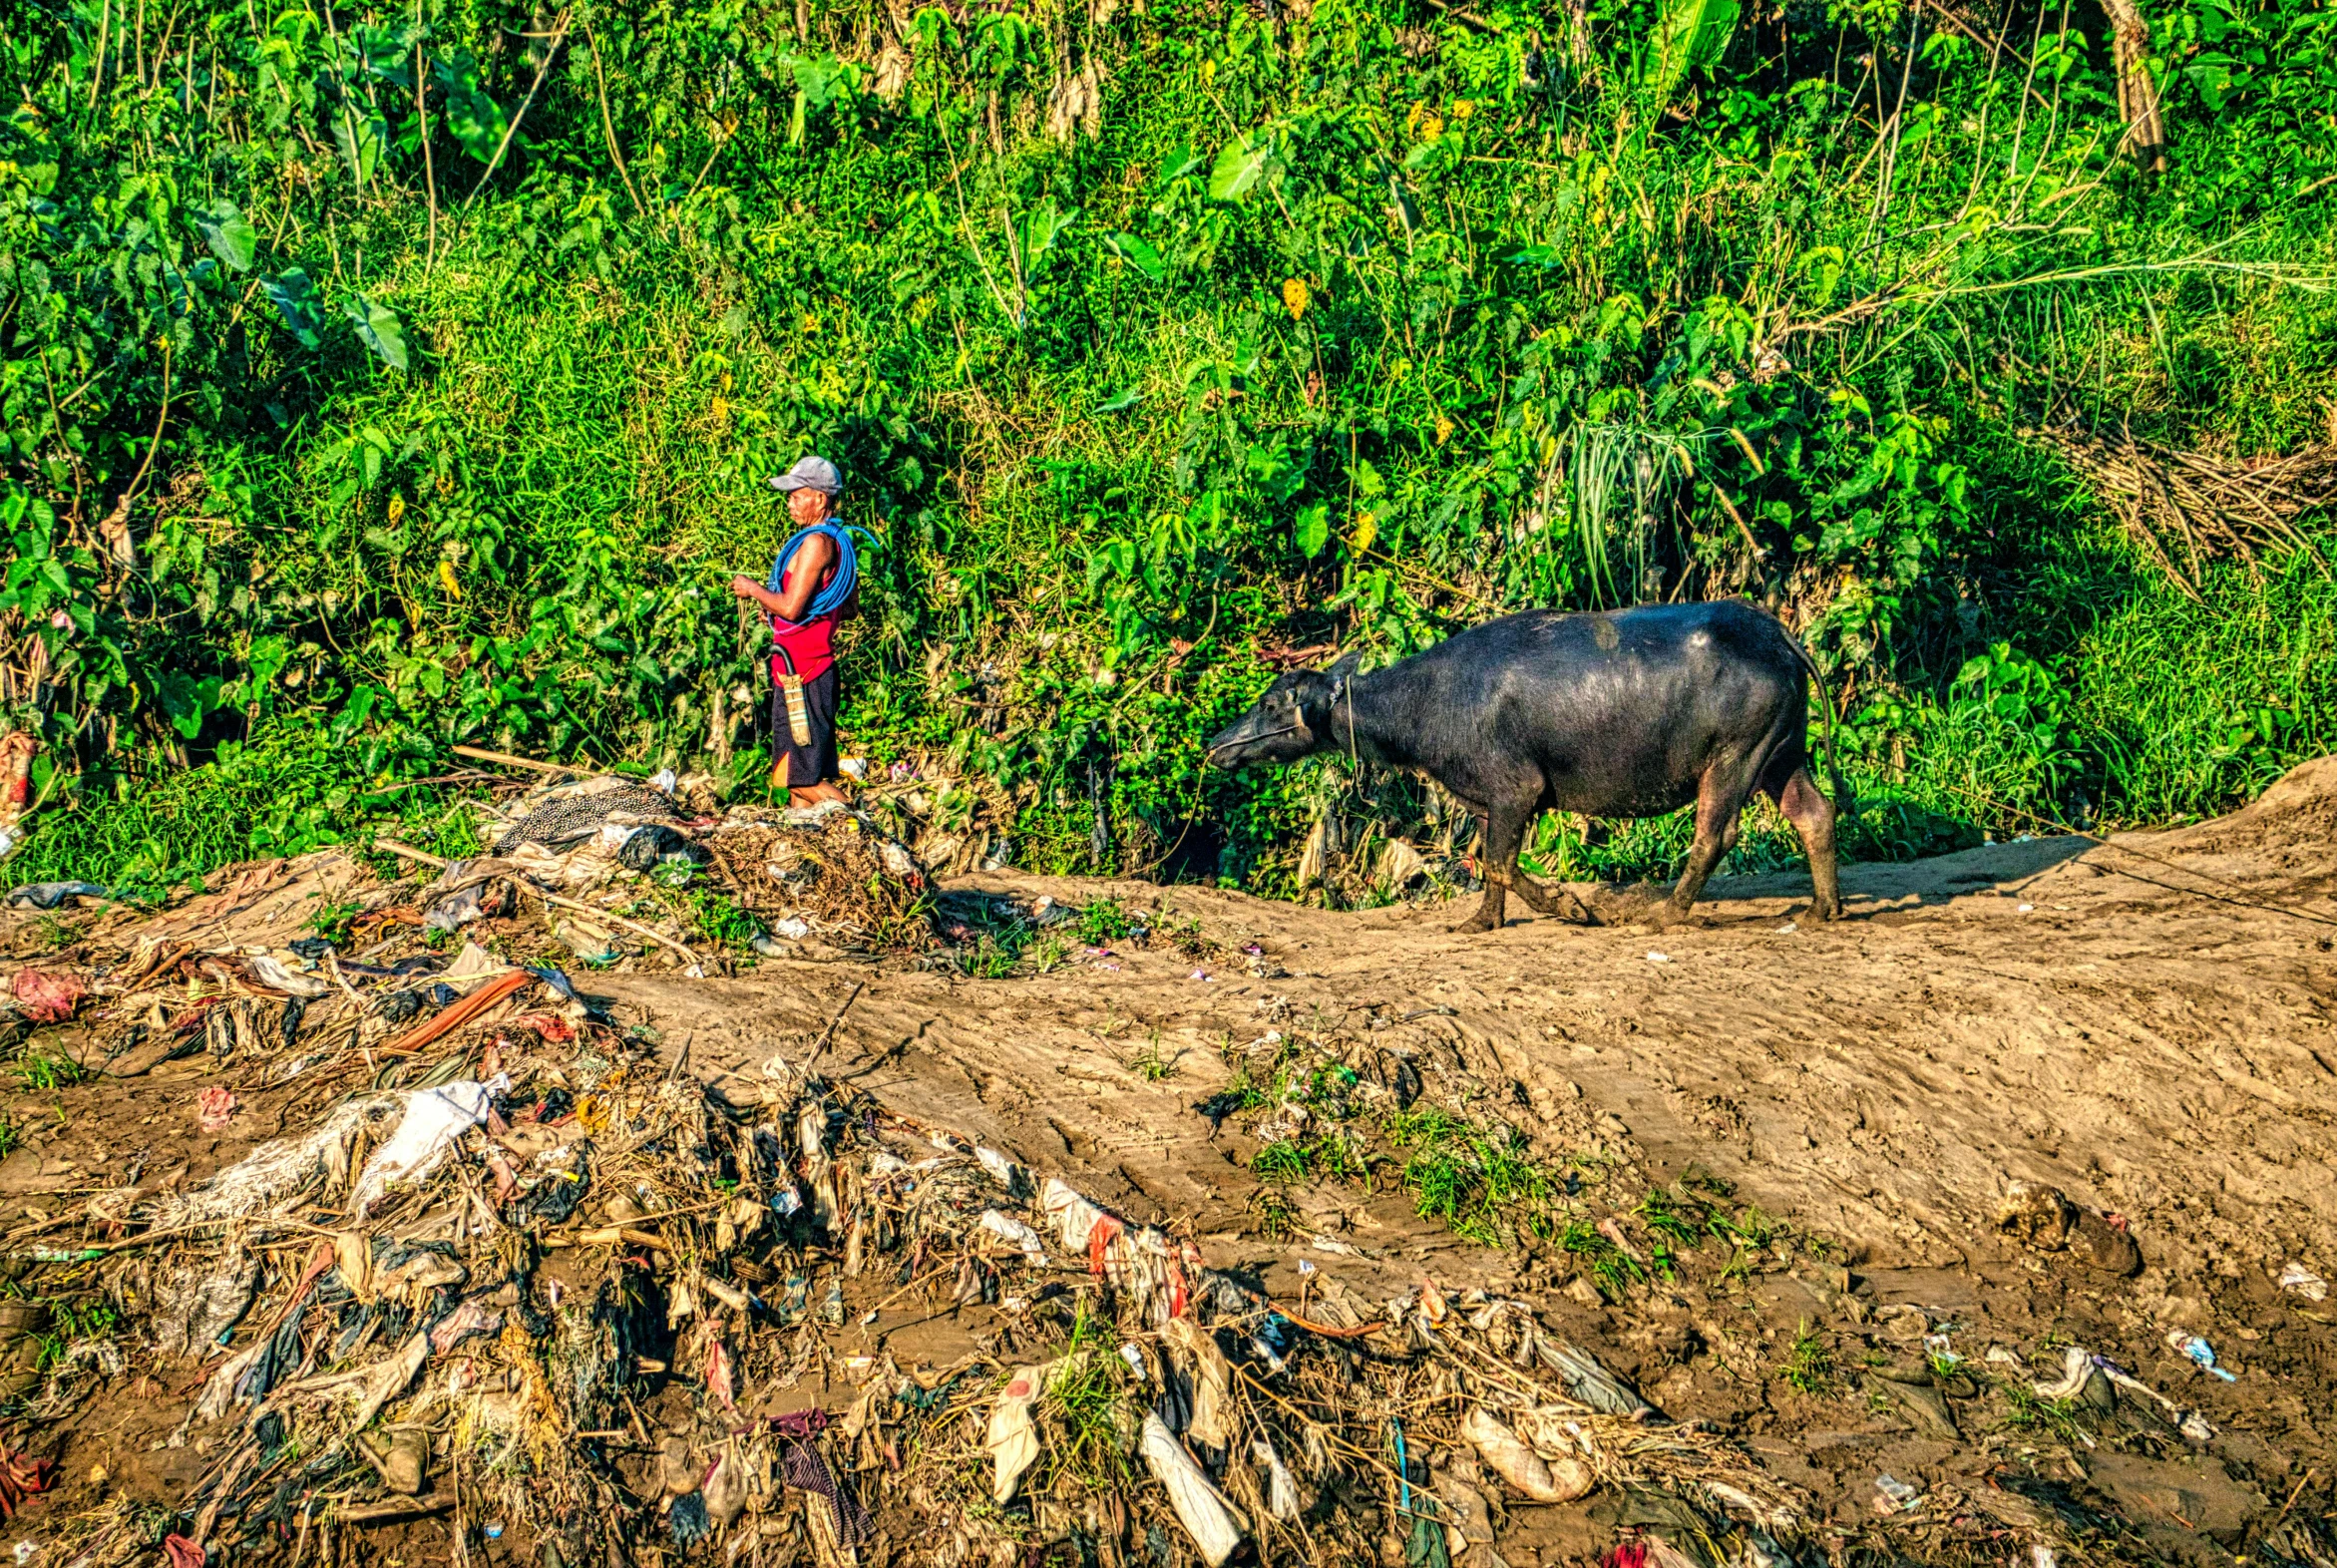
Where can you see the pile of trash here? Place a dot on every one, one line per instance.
(812, 881)
(511, 1271)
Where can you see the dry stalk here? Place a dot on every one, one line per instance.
(2187, 509)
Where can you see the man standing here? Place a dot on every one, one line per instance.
(802, 607)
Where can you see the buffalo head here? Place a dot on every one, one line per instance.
(1291, 720)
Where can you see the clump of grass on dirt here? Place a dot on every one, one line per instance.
(42, 1069)
(1102, 922)
(1483, 1184)
(1809, 1363)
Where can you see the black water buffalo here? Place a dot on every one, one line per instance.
(1629, 714)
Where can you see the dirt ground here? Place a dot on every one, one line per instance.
(2144, 1024)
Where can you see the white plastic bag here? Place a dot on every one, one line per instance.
(1282, 1488)
(1214, 1523)
(1074, 1216)
(1010, 1228)
(1012, 1442)
(434, 1119)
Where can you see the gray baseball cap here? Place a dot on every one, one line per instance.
(811, 472)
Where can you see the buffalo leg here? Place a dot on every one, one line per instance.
(1720, 801)
(1504, 834)
(1812, 816)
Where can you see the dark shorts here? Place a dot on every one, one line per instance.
(816, 762)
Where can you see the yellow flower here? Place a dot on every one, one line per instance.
(1443, 429)
(1294, 297)
(446, 578)
(1462, 109)
(811, 323)
(1431, 127)
(397, 510)
(721, 409)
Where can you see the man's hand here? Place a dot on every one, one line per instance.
(747, 588)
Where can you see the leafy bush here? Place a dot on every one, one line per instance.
(346, 416)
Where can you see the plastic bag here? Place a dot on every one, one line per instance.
(433, 1118)
(1512, 1459)
(1214, 1523)
(1012, 1442)
(1282, 1488)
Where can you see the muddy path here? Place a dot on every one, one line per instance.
(2144, 1026)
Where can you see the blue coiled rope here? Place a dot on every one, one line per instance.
(839, 589)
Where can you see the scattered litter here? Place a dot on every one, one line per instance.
(1658, 958)
(1518, 1464)
(2028, 908)
(1208, 1517)
(2076, 1370)
(1897, 1497)
(44, 998)
(48, 895)
(214, 1107)
(1012, 1442)
(432, 1122)
(2298, 1280)
(20, 1477)
(2199, 1350)
(1788, 927)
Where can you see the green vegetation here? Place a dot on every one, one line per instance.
(1150, 1064)
(376, 380)
(1087, 1399)
(41, 1069)
(1481, 1184)
(1809, 1363)
(1102, 922)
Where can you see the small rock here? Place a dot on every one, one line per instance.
(676, 1471)
(1580, 1289)
(1929, 1411)
(2104, 1246)
(2037, 1215)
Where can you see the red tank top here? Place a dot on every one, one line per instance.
(810, 646)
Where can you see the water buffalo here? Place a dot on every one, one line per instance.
(1629, 714)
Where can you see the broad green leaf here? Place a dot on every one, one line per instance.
(1691, 33)
(361, 138)
(381, 330)
(295, 302)
(1040, 229)
(472, 118)
(1181, 162)
(1239, 167)
(1121, 403)
(1137, 255)
(230, 234)
(1313, 528)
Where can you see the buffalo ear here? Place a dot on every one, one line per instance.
(1345, 668)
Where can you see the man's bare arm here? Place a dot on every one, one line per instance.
(811, 564)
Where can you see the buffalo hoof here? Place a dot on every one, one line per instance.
(1475, 924)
